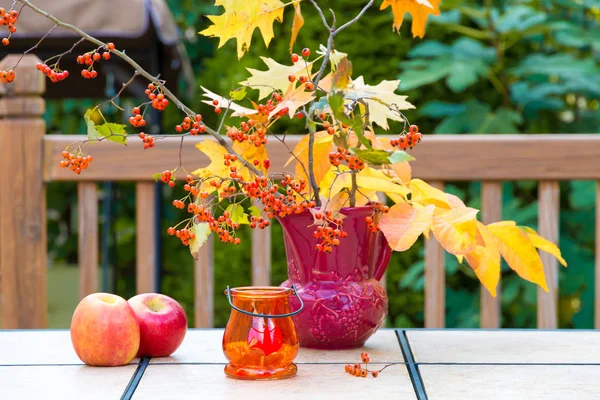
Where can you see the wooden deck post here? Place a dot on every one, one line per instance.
(22, 196)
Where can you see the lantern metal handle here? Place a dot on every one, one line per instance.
(267, 315)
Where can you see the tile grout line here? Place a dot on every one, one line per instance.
(413, 369)
(135, 379)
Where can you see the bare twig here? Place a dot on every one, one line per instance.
(35, 46)
(146, 75)
(116, 96)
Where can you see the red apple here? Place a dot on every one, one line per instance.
(104, 330)
(162, 321)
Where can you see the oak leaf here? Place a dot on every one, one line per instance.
(276, 76)
(224, 103)
(241, 18)
(297, 24)
(403, 224)
(519, 252)
(419, 9)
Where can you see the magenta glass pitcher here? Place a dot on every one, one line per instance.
(344, 301)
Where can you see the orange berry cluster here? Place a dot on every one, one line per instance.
(158, 99)
(92, 57)
(8, 19)
(193, 126)
(137, 120)
(190, 187)
(341, 155)
(249, 131)
(358, 370)
(409, 140)
(259, 222)
(327, 126)
(52, 74)
(183, 234)
(75, 162)
(167, 177)
(328, 236)
(7, 76)
(147, 139)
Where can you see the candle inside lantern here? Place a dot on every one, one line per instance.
(260, 340)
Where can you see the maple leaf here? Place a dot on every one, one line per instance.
(403, 224)
(485, 259)
(519, 252)
(322, 147)
(227, 104)
(419, 9)
(276, 76)
(241, 18)
(456, 230)
(297, 24)
(293, 98)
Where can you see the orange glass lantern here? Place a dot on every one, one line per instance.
(260, 340)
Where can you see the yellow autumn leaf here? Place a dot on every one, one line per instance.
(425, 194)
(485, 259)
(403, 225)
(322, 147)
(419, 9)
(297, 24)
(201, 232)
(216, 168)
(543, 244)
(456, 230)
(241, 18)
(519, 252)
(276, 75)
(293, 98)
(374, 179)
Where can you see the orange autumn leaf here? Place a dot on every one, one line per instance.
(456, 230)
(403, 224)
(297, 24)
(293, 98)
(519, 252)
(419, 9)
(485, 259)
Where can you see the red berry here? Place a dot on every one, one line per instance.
(295, 57)
(215, 102)
(305, 52)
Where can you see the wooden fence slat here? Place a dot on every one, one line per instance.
(23, 300)
(597, 272)
(438, 158)
(491, 211)
(204, 285)
(261, 256)
(88, 238)
(145, 237)
(548, 221)
(435, 280)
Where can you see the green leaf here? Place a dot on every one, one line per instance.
(237, 214)
(439, 109)
(239, 93)
(374, 157)
(201, 232)
(157, 176)
(254, 211)
(110, 131)
(336, 102)
(400, 156)
(113, 132)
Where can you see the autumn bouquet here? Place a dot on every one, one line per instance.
(341, 163)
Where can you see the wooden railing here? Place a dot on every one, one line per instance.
(29, 159)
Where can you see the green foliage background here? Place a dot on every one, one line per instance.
(485, 67)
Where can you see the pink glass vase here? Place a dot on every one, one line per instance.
(344, 301)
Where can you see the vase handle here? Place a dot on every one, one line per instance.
(384, 258)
